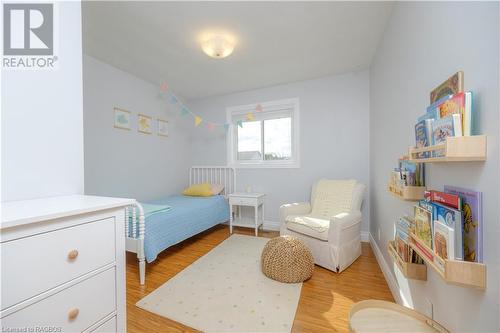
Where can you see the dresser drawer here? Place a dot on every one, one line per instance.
(243, 201)
(38, 263)
(73, 309)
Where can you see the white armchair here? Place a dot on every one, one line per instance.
(330, 225)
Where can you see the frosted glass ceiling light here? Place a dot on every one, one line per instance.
(218, 46)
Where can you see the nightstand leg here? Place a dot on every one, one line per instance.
(256, 220)
(230, 219)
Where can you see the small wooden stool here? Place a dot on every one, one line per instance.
(385, 317)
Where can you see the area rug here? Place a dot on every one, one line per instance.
(225, 291)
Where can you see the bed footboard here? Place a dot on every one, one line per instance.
(135, 227)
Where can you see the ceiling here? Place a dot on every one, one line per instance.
(277, 42)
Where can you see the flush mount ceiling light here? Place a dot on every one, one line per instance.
(218, 46)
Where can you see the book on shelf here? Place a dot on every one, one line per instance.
(423, 136)
(472, 221)
(423, 225)
(442, 128)
(453, 219)
(454, 84)
(426, 253)
(444, 243)
(408, 173)
(444, 198)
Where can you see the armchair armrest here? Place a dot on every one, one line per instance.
(344, 224)
(298, 208)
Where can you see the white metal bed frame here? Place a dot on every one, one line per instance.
(134, 234)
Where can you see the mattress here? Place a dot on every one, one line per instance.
(189, 216)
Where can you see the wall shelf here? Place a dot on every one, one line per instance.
(407, 193)
(409, 270)
(456, 149)
(462, 273)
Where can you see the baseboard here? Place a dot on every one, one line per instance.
(365, 236)
(386, 270)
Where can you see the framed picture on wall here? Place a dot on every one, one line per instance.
(162, 127)
(144, 124)
(121, 118)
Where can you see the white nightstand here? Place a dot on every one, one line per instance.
(255, 200)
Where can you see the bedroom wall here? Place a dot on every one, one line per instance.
(424, 44)
(128, 163)
(333, 138)
(36, 162)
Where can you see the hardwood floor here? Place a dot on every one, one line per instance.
(324, 303)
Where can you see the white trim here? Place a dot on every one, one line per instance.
(292, 103)
(365, 236)
(386, 270)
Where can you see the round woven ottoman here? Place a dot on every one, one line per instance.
(287, 259)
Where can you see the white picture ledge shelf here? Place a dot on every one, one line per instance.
(455, 149)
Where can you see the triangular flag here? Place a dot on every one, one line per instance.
(173, 99)
(163, 87)
(184, 111)
(258, 108)
(240, 123)
(226, 127)
(197, 120)
(249, 116)
(211, 126)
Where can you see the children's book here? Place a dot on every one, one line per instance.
(453, 85)
(443, 128)
(423, 136)
(444, 246)
(472, 222)
(453, 219)
(444, 198)
(461, 104)
(423, 225)
(433, 109)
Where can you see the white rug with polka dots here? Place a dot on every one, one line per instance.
(225, 291)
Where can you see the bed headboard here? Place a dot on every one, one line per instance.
(214, 175)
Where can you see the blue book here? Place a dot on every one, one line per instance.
(423, 137)
(433, 109)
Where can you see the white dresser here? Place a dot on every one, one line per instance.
(63, 265)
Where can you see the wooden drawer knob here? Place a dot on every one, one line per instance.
(72, 254)
(73, 313)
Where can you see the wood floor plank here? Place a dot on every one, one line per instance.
(324, 303)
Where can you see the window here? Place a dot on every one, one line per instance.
(269, 138)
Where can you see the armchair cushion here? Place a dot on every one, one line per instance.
(331, 197)
(308, 225)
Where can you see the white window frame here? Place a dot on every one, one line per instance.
(291, 103)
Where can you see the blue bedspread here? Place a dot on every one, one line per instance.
(188, 217)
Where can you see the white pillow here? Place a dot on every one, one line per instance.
(217, 188)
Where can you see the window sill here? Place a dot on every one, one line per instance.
(295, 165)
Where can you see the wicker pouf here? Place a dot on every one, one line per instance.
(287, 259)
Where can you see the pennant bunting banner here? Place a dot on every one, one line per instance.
(240, 123)
(167, 94)
(249, 116)
(163, 87)
(197, 120)
(258, 108)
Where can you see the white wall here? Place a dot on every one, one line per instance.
(333, 137)
(42, 132)
(128, 163)
(425, 43)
